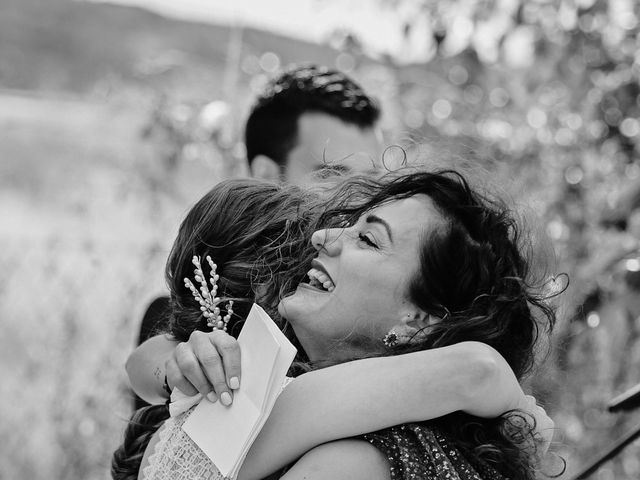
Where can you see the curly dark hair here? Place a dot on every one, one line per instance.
(272, 126)
(474, 275)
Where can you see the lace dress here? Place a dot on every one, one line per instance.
(176, 457)
(418, 451)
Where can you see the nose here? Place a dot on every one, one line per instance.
(327, 240)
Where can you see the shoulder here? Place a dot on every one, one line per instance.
(342, 459)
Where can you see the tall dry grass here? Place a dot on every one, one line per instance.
(88, 213)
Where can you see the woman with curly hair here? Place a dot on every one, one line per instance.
(414, 306)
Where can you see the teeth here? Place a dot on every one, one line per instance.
(322, 277)
(328, 285)
(318, 278)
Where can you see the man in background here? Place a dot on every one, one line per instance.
(307, 119)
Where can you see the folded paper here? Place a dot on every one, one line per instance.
(225, 434)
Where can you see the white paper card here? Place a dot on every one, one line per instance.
(225, 434)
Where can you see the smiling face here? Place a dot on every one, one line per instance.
(358, 284)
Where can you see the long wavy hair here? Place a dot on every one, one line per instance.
(258, 234)
(473, 274)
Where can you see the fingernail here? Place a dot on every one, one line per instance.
(211, 396)
(225, 398)
(234, 383)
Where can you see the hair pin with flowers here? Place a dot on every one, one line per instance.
(206, 296)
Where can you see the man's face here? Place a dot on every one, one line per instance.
(324, 140)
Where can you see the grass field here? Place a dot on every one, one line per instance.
(88, 215)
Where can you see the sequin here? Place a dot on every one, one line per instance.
(418, 451)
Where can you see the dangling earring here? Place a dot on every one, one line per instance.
(390, 340)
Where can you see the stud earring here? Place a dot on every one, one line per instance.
(390, 340)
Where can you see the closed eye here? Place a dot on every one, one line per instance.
(367, 240)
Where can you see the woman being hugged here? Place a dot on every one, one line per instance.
(424, 262)
(418, 265)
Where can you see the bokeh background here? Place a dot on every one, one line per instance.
(115, 119)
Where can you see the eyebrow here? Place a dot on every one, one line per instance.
(333, 167)
(375, 219)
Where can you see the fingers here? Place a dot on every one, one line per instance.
(219, 355)
(209, 363)
(212, 367)
(175, 378)
(545, 426)
(190, 372)
(229, 349)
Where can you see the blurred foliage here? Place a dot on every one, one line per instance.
(544, 94)
(550, 90)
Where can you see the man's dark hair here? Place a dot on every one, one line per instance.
(272, 126)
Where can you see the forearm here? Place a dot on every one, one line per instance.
(146, 368)
(367, 395)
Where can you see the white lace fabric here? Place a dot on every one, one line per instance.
(176, 457)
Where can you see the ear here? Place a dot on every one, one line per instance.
(412, 325)
(265, 168)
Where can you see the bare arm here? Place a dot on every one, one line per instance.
(469, 363)
(341, 460)
(367, 395)
(208, 363)
(146, 368)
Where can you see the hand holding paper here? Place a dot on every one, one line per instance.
(225, 434)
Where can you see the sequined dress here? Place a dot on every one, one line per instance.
(419, 451)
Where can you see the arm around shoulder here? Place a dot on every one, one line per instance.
(367, 395)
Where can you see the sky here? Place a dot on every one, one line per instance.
(376, 23)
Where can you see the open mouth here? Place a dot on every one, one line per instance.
(319, 278)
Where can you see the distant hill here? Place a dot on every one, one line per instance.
(71, 46)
